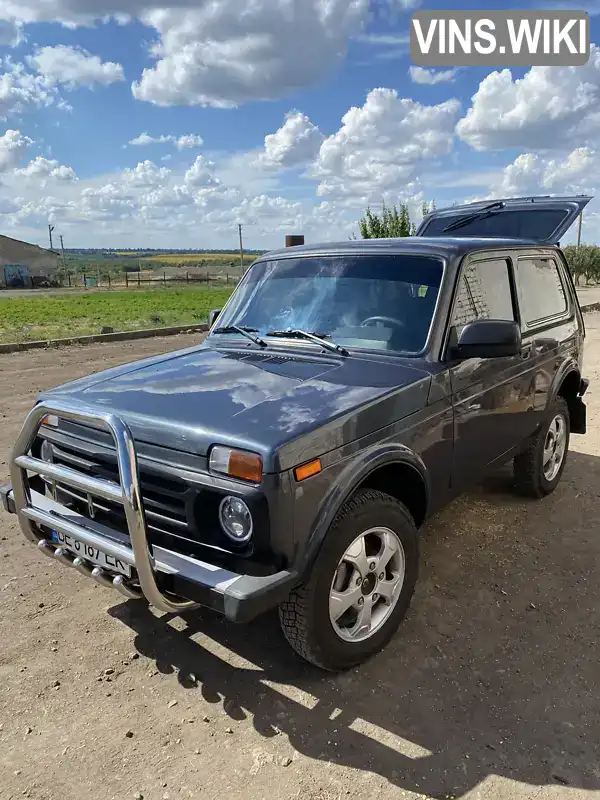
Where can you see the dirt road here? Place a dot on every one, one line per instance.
(490, 690)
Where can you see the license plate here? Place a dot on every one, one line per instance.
(91, 554)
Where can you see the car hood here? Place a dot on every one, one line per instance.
(287, 405)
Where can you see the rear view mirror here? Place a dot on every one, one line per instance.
(488, 338)
(213, 316)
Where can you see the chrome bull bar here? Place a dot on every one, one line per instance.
(127, 493)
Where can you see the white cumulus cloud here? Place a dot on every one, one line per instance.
(224, 53)
(296, 143)
(550, 107)
(146, 174)
(144, 139)
(214, 55)
(381, 145)
(201, 173)
(432, 76)
(21, 91)
(13, 146)
(74, 66)
(42, 168)
(108, 202)
(187, 141)
(532, 173)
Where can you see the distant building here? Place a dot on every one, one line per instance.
(24, 265)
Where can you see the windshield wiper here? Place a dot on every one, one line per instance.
(318, 338)
(247, 332)
(481, 214)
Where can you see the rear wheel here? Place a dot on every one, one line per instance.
(539, 469)
(360, 587)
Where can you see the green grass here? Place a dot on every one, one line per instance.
(47, 317)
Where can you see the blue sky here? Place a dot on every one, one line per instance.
(164, 123)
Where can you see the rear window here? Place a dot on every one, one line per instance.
(541, 291)
(517, 224)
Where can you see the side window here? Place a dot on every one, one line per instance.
(484, 292)
(541, 291)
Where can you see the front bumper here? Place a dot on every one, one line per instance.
(170, 581)
(240, 598)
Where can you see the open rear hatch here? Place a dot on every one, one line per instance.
(539, 219)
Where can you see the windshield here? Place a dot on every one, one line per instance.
(533, 224)
(363, 301)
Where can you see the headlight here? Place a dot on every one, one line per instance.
(236, 463)
(235, 519)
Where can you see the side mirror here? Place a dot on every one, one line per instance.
(488, 338)
(212, 317)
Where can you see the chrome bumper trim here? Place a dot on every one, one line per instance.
(56, 472)
(53, 521)
(128, 494)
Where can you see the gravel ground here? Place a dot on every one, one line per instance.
(490, 689)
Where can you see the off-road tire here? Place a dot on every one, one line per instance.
(528, 466)
(304, 616)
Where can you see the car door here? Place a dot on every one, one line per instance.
(548, 319)
(493, 398)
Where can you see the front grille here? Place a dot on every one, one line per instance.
(172, 507)
(164, 499)
(181, 515)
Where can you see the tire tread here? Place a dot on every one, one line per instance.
(294, 612)
(528, 473)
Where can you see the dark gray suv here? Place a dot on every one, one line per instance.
(345, 393)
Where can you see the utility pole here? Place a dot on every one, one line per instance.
(241, 247)
(579, 234)
(50, 229)
(64, 260)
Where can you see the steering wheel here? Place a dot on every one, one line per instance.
(396, 322)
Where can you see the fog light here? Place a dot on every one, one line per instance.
(235, 519)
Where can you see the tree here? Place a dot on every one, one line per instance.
(427, 208)
(392, 223)
(583, 261)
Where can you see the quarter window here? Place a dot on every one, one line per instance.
(484, 292)
(541, 291)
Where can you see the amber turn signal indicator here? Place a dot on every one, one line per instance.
(246, 466)
(308, 470)
(236, 464)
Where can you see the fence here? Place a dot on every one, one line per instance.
(135, 280)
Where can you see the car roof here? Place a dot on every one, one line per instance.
(411, 245)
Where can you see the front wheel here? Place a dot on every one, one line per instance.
(361, 585)
(539, 469)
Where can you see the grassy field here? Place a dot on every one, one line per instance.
(48, 317)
